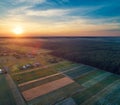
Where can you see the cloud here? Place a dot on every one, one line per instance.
(48, 13)
(30, 2)
(69, 15)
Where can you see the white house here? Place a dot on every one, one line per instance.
(1, 71)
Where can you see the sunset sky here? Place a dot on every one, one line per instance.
(60, 17)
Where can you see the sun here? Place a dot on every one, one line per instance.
(18, 30)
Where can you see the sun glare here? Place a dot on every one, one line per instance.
(18, 30)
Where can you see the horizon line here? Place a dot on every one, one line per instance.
(56, 36)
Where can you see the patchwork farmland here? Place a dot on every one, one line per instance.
(55, 81)
(75, 82)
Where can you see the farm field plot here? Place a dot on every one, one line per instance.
(68, 66)
(68, 101)
(79, 71)
(39, 82)
(90, 75)
(91, 91)
(33, 75)
(111, 97)
(6, 96)
(56, 95)
(46, 88)
(42, 72)
(96, 80)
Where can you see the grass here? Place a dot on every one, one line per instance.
(67, 101)
(20, 78)
(15, 69)
(80, 71)
(89, 92)
(96, 80)
(89, 76)
(6, 97)
(68, 66)
(39, 73)
(110, 98)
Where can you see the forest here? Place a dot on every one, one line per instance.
(103, 53)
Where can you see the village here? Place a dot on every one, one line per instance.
(25, 60)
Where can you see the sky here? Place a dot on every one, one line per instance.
(60, 17)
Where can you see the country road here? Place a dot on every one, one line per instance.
(17, 96)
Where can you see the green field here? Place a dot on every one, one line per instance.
(79, 71)
(6, 97)
(89, 92)
(33, 75)
(28, 76)
(112, 97)
(88, 76)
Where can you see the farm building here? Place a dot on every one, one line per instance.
(37, 64)
(0, 71)
(3, 71)
(29, 66)
(25, 67)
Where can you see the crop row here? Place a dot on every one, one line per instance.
(111, 97)
(84, 78)
(96, 80)
(80, 71)
(89, 92)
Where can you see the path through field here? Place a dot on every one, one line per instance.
(17, 96)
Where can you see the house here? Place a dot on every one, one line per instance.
(28, 65)
(1, 71)
(25, 67)
(37, 64)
